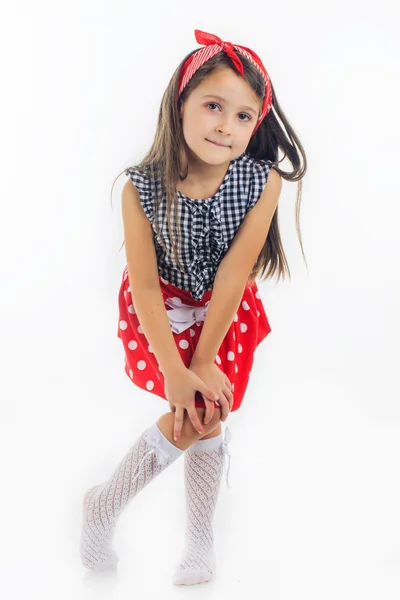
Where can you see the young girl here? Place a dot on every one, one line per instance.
(200, 223)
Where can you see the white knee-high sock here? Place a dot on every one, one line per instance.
(147, 458)
(204, 464)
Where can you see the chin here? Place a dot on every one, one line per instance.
(215, 161)
(210, 154)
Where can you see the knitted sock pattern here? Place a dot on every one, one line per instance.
(151, 454)
(203, 469)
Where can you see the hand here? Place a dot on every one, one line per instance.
(180, 388)
(218, 382)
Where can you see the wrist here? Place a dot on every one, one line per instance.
(174, 370)
(200, 362)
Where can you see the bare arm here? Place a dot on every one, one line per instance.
(145, 287)
(234, 270)
(224, 303)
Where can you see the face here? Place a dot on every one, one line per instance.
(224, 110)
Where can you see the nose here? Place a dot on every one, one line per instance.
(224, 125)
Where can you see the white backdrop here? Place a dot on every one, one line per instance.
(313, 507)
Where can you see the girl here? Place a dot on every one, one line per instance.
(200, 223)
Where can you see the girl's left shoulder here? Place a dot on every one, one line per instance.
(257, 165)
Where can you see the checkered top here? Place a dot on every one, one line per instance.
(208, 225)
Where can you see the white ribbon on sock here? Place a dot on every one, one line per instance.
(227, 439)
(153, 439)
(182, 316)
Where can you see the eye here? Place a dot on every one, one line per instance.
(243, 120)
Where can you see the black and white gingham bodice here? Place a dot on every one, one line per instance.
(208, 226)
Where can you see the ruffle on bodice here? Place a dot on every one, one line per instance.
(208, 244)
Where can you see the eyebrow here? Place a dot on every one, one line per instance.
(224, 100)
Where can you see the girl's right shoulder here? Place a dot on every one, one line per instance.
(131, 206)
(139, 187)
(137, 176)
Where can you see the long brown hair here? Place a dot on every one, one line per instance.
(167, 157)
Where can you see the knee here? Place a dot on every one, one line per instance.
(213, 424)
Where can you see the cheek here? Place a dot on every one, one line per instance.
(196, 126)
(248, 135)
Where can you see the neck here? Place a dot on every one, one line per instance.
(203, 174)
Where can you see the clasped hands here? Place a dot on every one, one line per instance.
(219, 383)
(206, 378)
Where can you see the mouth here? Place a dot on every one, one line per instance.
(217, 144)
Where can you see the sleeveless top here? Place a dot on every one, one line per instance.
(208, 225)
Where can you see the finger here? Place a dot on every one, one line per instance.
(224, 407)
(194, 417)
(178, 423)
(208, 392)
(229, 396)
(228, 383)
(209, 410)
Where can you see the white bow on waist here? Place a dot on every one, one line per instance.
(183, 315)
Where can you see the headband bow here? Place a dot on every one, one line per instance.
(213, 45)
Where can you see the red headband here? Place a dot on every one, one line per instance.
(214, 44)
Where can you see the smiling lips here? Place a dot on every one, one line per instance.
(217, 144)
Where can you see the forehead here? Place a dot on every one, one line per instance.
(227, 84)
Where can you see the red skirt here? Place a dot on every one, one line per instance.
(186, 315)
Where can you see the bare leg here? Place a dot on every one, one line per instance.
(189, 435)
(213, 434)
